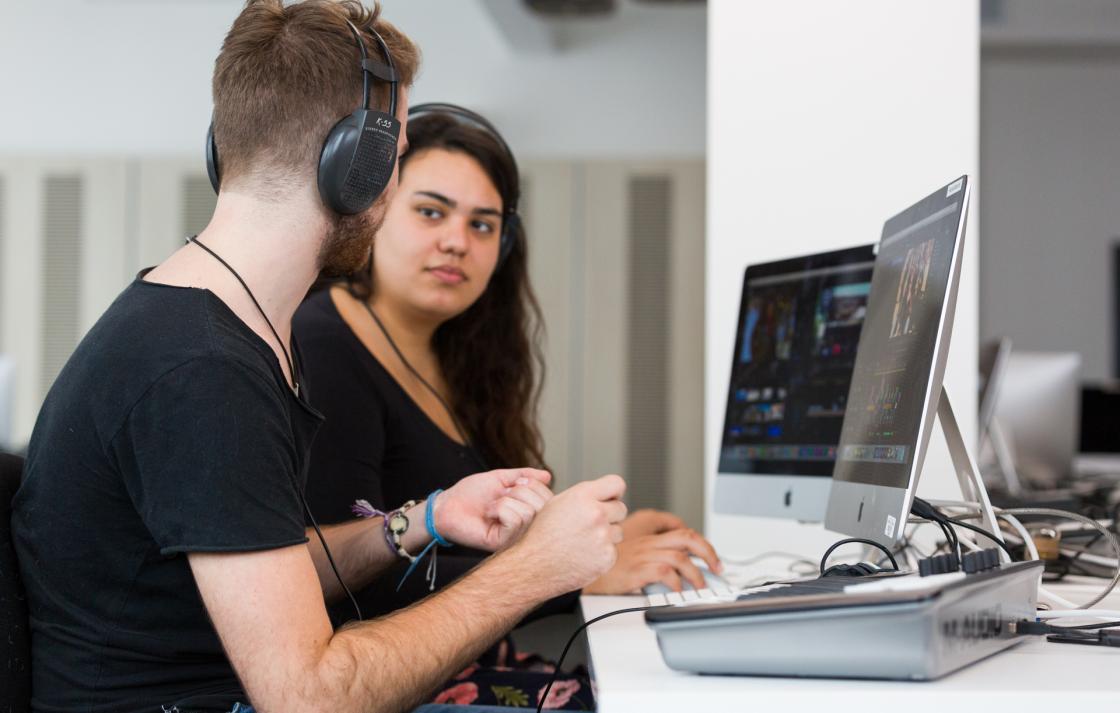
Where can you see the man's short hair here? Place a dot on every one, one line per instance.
(285, 76)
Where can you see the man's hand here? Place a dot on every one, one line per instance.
(662, 557)
(572, 541)
(489, 511)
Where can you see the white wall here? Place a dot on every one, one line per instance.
(1050, 146)
(826, 118)
(133, 76)
(1051, 151)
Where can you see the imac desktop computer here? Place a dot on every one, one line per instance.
(896, 383)
(795, 346)
(900, 625)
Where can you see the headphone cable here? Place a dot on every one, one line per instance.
(412, 370)
(295, 387)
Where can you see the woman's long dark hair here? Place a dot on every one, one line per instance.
(490, 354)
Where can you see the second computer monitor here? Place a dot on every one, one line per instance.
(795, 346)
(896, 383)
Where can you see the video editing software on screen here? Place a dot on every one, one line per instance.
(794, 353)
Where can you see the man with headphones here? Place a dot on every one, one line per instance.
(160, 524)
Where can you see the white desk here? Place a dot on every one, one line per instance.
(630, 677)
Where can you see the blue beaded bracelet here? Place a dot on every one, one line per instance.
(430, 521)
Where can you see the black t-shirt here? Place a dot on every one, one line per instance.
(377, 444)
(170, 430)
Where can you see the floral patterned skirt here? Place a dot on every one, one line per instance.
(505, 677)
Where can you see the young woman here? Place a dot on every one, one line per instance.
(427, 364)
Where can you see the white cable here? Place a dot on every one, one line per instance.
(1055, 600)
(1078, 613)
(1091, 558)
(1028, 541)
(970, 544)
(1051, 512)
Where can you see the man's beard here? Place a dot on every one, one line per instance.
(346, 249)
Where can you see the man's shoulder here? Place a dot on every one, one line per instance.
(152, 334)
(168, 326)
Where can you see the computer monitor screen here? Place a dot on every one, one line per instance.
(795, 346)
(896, 382)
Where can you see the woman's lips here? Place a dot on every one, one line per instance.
(448, 275)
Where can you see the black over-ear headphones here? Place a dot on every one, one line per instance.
(510, 217)
(360, 152)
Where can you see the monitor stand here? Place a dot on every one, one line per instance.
(1004, 460)
(968, 475)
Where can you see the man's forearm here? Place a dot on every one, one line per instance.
(393, 662)
(360, 551)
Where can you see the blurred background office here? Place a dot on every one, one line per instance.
(102, 173)
(664, 144)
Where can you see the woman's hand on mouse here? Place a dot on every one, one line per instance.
(662, 557)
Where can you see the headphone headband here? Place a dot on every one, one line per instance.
(467, 116)
(385, 72)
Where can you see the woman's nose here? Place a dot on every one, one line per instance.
(454, 237)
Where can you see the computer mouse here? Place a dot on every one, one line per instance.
(711, 580)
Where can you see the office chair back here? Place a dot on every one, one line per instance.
(15, 647)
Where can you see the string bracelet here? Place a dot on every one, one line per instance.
(437, 539)
(363, 508)
(430, 520)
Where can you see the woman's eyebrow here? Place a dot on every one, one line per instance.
(437, 196)
(453, 204)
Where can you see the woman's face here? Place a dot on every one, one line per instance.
(438, 246)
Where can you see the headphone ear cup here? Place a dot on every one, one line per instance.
(511, 225)
(357, 161)
(212, 158)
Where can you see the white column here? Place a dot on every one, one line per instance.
(824, 119)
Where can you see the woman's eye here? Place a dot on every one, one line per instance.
(483, 227)
(429, 212)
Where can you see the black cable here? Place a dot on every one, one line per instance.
(860, 540)
(295, 387)
(287, 357)
(950, 536)
(408, 365)
(1088, 634)
(1086, 547)
(571, 640)
(923, 509)
(979, 530)
(330, 557)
